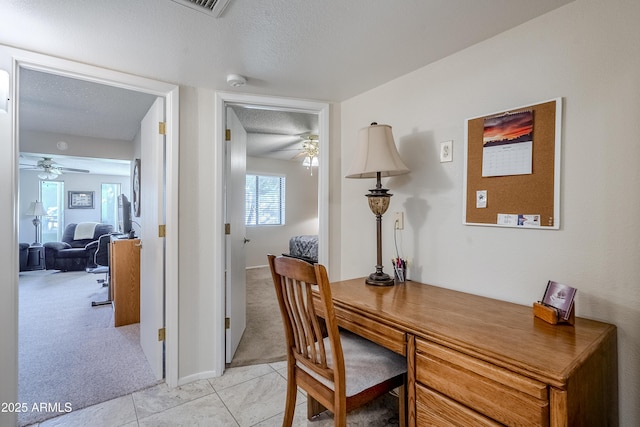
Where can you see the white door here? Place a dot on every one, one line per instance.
(236, 298)
(152, 214)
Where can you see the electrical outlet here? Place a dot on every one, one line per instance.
(398, 220)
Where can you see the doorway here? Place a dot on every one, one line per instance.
(280, 202)
(224, 100)
(169, 95)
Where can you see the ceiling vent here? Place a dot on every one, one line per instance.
(214, 8)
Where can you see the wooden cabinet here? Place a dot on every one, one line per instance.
(479, 361)
(435, 409)
(497, 393)
(124, 264)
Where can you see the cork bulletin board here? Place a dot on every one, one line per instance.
(512, 167)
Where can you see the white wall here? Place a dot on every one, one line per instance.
(301, 209)
(8, 260)
(45, 142)
(29, 192)
(587, 52)
(197, 347)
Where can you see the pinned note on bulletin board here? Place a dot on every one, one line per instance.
(512, 167)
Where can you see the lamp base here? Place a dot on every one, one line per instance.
(379, 279)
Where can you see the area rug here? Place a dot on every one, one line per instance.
(70, 354)
(263, 340)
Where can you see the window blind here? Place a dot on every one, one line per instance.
(265, 200)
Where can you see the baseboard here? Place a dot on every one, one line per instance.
(257, 266)
(199, 376)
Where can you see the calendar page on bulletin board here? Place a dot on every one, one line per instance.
(512, 167)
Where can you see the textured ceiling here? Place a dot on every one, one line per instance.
(57, 104)
(275, 134)
(325, 50)
(330, 50)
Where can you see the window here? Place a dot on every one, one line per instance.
(109, 204)
(52, 196)
(264, 200)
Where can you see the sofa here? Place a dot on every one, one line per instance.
(74, 252)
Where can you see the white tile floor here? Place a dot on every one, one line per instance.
(243, 396)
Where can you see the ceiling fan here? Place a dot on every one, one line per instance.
(309, 148)
(309, 151)
(50, 169)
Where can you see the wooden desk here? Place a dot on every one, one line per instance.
(124, 265)
(479, 361)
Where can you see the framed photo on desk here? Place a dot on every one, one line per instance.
(559, 296)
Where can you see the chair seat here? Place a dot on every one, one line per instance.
(366, 364)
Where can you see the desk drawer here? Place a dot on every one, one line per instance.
(386, 336)
(434, 409)
(500, 394)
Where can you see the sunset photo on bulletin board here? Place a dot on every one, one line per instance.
(508, 144)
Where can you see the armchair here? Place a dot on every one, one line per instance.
(74, 254)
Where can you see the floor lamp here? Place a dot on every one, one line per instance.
(377, 157)
(36, 210)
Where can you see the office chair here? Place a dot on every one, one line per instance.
(101, 259)
(341, 371)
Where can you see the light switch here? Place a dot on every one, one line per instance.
(446, 151)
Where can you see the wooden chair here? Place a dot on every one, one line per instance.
(341, 371)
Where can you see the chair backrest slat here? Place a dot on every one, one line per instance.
(302, 328)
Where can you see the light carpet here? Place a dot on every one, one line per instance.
(263, 340)
(70, 354)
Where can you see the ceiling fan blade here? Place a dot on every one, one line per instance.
(72, 170)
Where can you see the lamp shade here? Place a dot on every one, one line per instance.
(35, 209)
(376, 152)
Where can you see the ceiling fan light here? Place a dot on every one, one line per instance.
(314, 161)
(47, 175)
(306, 162)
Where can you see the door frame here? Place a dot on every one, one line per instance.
(170, 93)
(222, 100)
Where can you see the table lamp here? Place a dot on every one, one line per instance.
(377, 156)
(36, 210)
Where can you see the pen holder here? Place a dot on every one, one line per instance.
(400, 275)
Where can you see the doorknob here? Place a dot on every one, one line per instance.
(246, 240)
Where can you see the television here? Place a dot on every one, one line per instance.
(125, 225)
